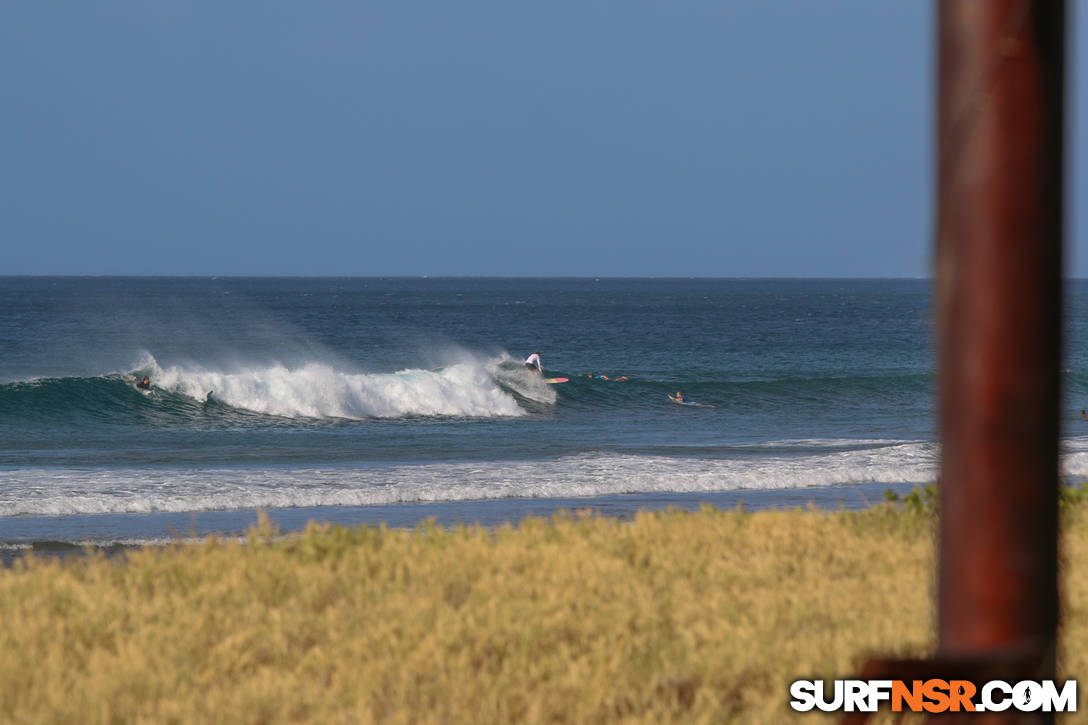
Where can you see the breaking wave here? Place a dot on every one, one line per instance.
(469, 388)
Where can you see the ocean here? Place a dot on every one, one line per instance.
(364, 400)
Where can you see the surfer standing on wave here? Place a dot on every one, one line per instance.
(144, 384)
(533, 363)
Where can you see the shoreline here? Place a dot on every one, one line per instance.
(116, 533)
(666, 616)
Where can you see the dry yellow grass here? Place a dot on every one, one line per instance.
(672, 617)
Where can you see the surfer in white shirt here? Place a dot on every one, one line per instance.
(533, 362)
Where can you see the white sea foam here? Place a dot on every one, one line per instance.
(1074, 457)
(59, 492)
(470, 387)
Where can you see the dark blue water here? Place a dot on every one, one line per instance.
(306, 394)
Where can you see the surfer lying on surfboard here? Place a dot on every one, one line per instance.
(682, 399)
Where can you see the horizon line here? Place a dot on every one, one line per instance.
(459, 276)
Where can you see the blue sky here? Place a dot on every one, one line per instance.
(330, 137)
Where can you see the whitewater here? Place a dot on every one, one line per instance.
(473, 388)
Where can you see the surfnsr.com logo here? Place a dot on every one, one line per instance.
(933, 696)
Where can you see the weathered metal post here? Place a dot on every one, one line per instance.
(999, 309)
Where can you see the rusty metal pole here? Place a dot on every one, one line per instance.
(1001, 82)
(999, 306)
